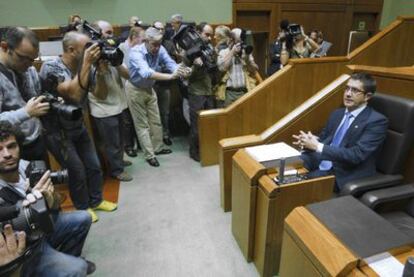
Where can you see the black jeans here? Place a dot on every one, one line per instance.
(77, 154)
(36, 150)
(128, 129)
(197, 103)
(110, 133)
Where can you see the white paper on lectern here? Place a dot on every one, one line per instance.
(270, 154)
(385, 265)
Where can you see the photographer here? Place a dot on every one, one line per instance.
(200, 95)
(276, 48)
(144, 66)
(68, 140)
(297, 45)
(237, 64)
(107, 112)
(19, 87)
(70, 229)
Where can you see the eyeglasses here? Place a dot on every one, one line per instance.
(353, 90)
(24, 57)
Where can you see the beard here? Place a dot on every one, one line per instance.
(9, 169)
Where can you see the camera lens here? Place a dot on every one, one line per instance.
(59, 177)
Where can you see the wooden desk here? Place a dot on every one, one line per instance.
(259, 207)
(311, 249)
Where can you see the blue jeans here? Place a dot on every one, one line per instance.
(77, 153)
(69, 236)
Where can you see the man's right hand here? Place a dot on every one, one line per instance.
(35, 107)
(10, 248)
(92, 54)
(236, 49)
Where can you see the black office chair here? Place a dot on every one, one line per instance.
(397, 145)
(396, 204)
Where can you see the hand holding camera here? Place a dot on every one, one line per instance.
(236, 49)
(45, 187)
(92, 54)
(11, 245)
(36, 106)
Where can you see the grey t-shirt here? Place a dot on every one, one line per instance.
(58, 69)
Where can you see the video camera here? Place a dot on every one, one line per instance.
(195, 47)
(66, 111)
(246, 41)
(36, 169)
(109, 46)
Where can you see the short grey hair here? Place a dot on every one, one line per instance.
(70, 39)
(153, 34)
(177, 17)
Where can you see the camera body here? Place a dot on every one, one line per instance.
(69, 112)
(36, 169)
(246, 41)
(66, 111)
(108, 46)
(294, 29)
(190, 40)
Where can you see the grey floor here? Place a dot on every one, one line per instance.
(169, 223)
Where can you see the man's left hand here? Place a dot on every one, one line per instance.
(306, 140)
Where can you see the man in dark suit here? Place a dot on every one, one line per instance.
(348, 145)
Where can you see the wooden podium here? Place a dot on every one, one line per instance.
(311, 248)
(259, 207)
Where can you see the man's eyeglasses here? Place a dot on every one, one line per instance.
(353, 90)
(24, 57)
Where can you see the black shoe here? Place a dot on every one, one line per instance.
(163, 152)
(153, 162)
(91, 267)
(131, 152)
(167, 141)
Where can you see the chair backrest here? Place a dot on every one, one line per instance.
(400, 133)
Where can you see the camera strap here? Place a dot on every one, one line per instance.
(8, 195)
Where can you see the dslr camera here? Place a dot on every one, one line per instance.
(36, 169)
(66, 111)
(108, 46)
(294, 29)
(195, 47)
(246, 41)
(35, 219)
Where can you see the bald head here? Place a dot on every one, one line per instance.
(106, 28)
(207, 33)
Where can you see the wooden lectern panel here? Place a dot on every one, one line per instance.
(317, 244)
(273, 204)
(246, 172)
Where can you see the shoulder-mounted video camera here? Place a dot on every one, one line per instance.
(195, 47)
(109, 46)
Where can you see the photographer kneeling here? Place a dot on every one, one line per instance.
(70, 229)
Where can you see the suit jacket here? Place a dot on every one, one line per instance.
(356, 155)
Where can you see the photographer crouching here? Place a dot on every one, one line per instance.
(64, 231)
(67, 138)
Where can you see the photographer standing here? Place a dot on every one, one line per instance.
(144, 66)
(237, 64)
(200, 95)
(107, 112)
(297, 44)
(68, 140)
(70, 229)
(19, 87)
